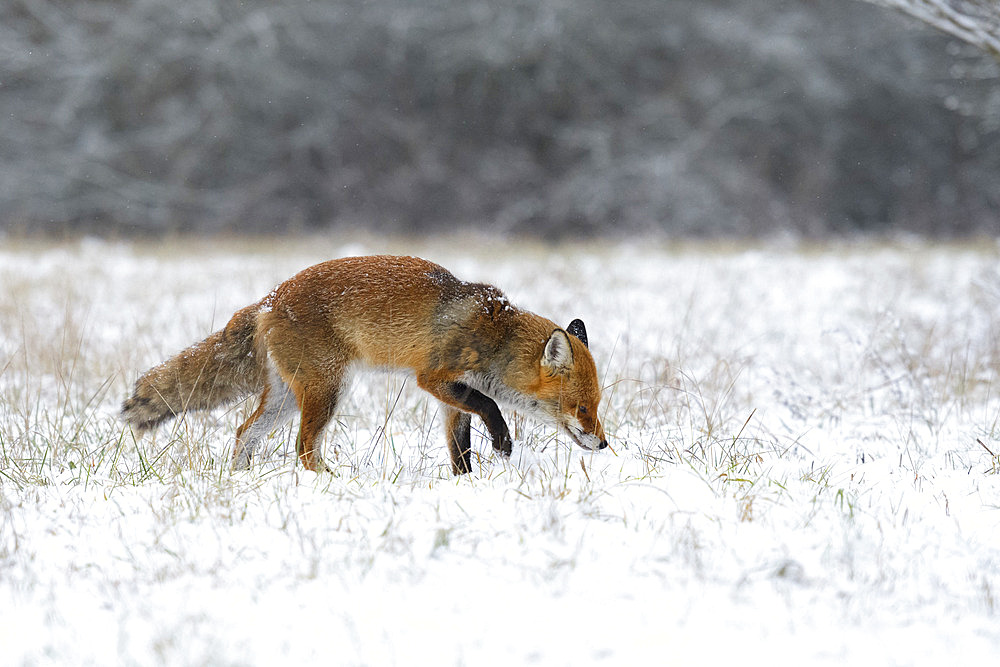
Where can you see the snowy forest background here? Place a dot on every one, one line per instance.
(548, 117)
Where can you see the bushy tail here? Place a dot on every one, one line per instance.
(224, 367)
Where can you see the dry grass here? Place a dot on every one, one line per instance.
(816, 425)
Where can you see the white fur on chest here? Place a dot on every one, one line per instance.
(504, 395)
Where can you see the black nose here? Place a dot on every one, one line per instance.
(604, 443)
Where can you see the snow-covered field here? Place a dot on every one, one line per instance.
(804, 470)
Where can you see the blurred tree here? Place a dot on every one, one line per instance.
(549, 117)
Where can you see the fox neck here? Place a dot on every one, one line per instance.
(513, 381)
(494, 386)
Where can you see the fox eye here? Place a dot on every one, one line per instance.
(581, 409)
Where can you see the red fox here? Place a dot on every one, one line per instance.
(468, 346)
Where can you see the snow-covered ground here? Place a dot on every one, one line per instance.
(804, 470)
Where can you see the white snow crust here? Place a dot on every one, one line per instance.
(803, 470)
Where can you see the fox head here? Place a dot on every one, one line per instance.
(569, 386)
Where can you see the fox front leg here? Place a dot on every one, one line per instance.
(458, 427)
(462, 397)
(472, 400)
(484, 406)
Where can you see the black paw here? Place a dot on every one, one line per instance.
(503, 444)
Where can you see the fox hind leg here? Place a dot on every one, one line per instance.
(318, 401)
(277, 407)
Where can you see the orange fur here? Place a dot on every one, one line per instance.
(465, 343)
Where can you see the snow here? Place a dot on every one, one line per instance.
(801, 470)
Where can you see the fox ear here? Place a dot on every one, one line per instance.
(558, 353)
(577, 329)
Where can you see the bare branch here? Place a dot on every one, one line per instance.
(974, 21)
